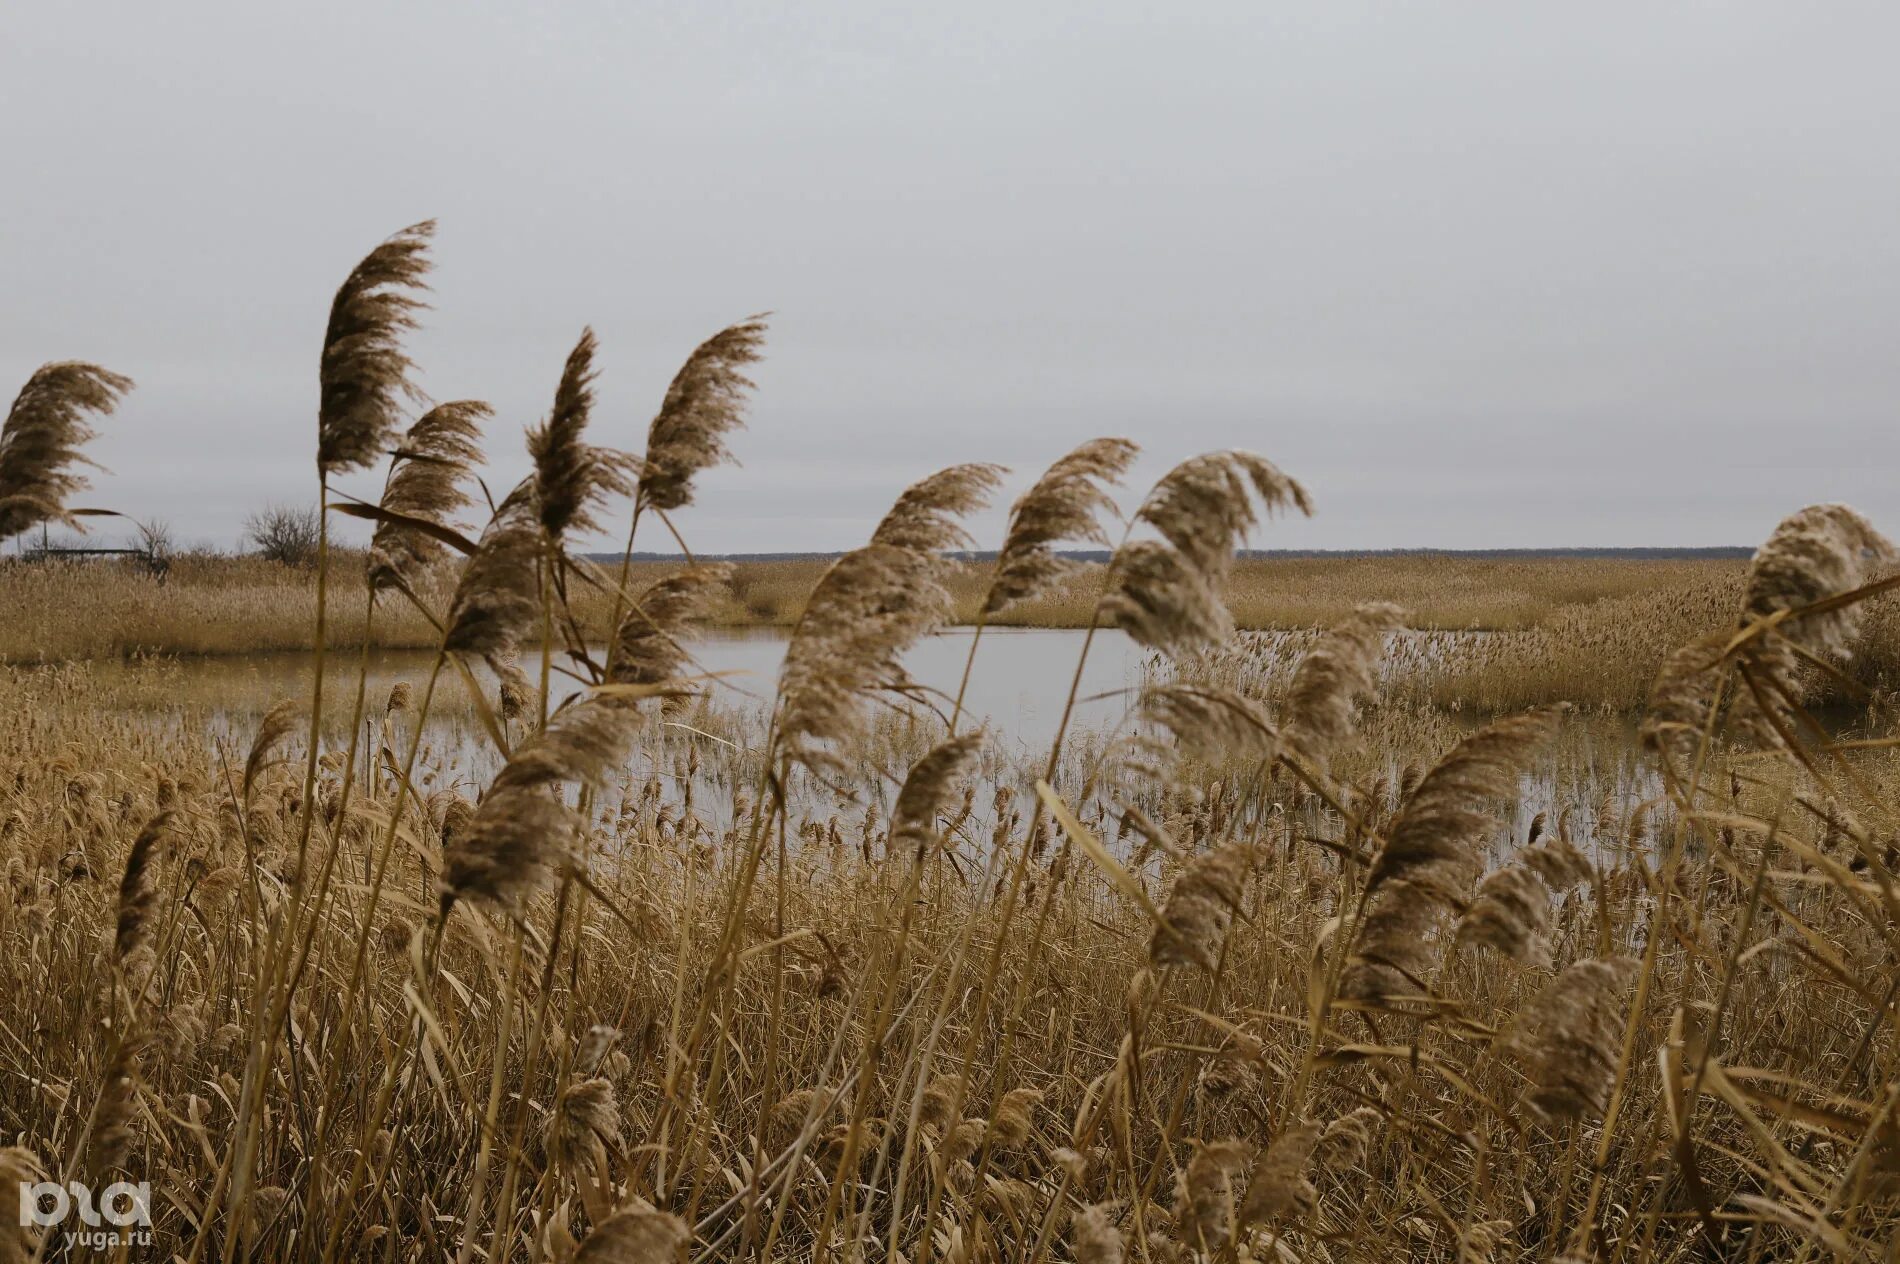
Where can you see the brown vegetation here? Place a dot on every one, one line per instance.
(1295, 962)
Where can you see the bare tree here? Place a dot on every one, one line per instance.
(284, 533)
(155, 537)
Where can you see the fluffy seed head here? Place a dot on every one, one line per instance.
(868, 608)
(1433, 840)
(1209, 722)
(1820, 552)
(425, 482)
(1511, 915)
(523, 826)
(704, 404)
(647, 649)
(595, 1044)
(1167, 594)
(277, 725)
(40, 442)
(636, 1234)
(1677, 712)
(925, 515)
(364, 376)
(1200, 908)
(1279, 1191)
(1431, 853)
(499, 595)
(1333, 678)
(1346, 1142)
(1571, 1038)
(1203, 506)
(585, 1122)
(132, 945)
(1011, 1123)
(1162, 602)
(573, 479)
(928, 791)
(1393, 952)
(115, 1116)
(1064, 506)
(1093, 1236)
(1204, 1194)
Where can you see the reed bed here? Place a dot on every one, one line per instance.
(1297, 960)
(1505, 633)
(1438, 591)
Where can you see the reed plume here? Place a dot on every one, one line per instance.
(636, 1234)
(1346, 1142)
(1208, 722)
(1200, 908)
(133, 943)
(1570, 1038)
(1093, 1237)
(1819, 552)
(523, 827)
(789, 1114)
(499, 595)
(1203, 508)
(1204, 1194)
(1279, 1189)
(41, 441)
(925, 516)
(869, 607)
(1430, 855)
(1680, 702)
(1393, 952)
(1167, 594)
(572, 478)
(425, 483)
(1433, 840)
(1163, 603)
(272, 731)
(596, 1043)
(1010, 1125)
(1510, 915)
(116, 1112)
(1334, 678)
(514, 692)
(1064, 507)
(1558, 863)
(705, 402)
(927, 792)
(647, 648)
(584, 1125)
(364, 377)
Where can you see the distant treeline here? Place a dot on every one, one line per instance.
(1717, 552)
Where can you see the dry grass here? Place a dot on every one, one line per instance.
(1589, 631)
(1301, 960)
(831, 971)
(132, 613)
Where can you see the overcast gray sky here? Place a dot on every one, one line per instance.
(1480, 275)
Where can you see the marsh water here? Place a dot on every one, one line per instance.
(1017, 685)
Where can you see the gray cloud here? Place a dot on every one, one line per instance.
(1480, 275)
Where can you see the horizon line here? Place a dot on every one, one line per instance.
(1639, 552)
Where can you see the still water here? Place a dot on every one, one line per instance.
(1017, 686)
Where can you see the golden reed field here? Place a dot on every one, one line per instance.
(1461, 910)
